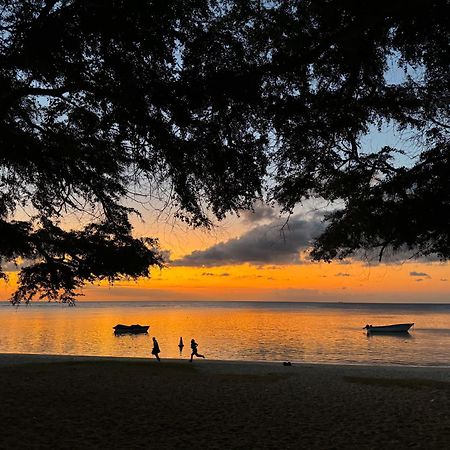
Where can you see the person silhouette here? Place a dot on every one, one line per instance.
(194, 346)
(155, 349)
(181, 345)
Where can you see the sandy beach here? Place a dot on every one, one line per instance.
(87, 402)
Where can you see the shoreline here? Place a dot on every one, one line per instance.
(238, 334)
(310, 302)
(29, 358)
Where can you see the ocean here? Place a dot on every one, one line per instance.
(257, 331)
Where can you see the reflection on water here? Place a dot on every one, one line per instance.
(242, 331)
(389, 334)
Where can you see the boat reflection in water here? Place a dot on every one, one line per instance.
(390, 334)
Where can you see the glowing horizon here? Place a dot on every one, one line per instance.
(315, 282)
(248, 259)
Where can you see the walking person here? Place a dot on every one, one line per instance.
(181, 345)
(155, 350)
(194, 346)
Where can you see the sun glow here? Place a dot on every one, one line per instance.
(305, 282)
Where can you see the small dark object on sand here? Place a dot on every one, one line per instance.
(287, 363)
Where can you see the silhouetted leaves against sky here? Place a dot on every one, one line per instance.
(216, 104)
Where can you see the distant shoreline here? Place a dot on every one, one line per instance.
(300, 302)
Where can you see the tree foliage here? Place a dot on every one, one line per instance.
(221, 102)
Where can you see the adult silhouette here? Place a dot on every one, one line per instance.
(156, 350)
(194, 346)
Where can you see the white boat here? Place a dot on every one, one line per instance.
(397, 328)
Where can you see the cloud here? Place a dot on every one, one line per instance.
(443, 279)
(261, 212)
(268, 243)
(296, 294)
(344, 262)
(16, 265)
(419, 274)
(342, 274)
(263, 244)
(126, 293)
(393, 257)
(10, 266)
(211, 274)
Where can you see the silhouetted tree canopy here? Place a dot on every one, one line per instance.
(221, 103)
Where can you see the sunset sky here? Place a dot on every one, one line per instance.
(254, 257)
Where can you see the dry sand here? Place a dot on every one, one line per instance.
(86, 402)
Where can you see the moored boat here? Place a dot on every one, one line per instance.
(397, 328)
(134, 329)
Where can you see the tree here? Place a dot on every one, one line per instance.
(220, 102)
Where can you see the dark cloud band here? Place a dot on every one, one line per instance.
(265, 244)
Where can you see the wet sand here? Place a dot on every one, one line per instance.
(90, 402)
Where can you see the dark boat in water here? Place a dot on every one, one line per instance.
(132, 329)
(397, 328)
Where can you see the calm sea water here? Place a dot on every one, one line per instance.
(307, 332)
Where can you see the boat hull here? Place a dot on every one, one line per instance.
(131, 329)
(397, 328)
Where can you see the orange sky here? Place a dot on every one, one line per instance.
(308, 282)
(277, 280)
